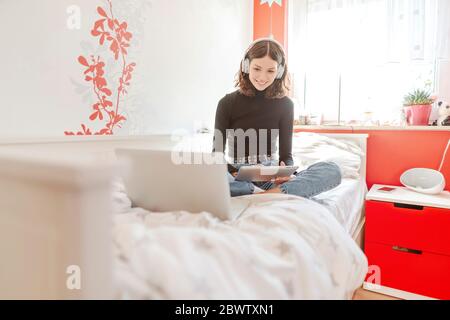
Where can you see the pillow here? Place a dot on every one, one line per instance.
(309, 148)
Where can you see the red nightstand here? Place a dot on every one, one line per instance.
(407, 242)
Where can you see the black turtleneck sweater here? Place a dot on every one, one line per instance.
(271, 118)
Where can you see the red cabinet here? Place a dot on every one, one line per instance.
(408, 241)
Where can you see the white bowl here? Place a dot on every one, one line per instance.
(423, 180)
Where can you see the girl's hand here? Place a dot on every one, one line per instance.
(281, 180)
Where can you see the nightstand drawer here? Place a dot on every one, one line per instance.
(417, 272)
(414, 227)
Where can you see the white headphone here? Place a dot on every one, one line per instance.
(246, 61)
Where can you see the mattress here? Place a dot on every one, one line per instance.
(345, 202)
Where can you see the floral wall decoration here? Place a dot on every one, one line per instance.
(106, 108)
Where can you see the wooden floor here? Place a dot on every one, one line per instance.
(362, 294)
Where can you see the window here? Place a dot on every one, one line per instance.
(353, 61)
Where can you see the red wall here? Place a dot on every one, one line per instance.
(391, 152)
(262, 19)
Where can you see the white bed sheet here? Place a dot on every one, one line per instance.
(345, 202)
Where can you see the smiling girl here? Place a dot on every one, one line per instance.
(257, 118)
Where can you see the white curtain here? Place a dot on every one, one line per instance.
(355, 57)
(443, 30)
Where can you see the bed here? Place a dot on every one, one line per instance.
(68, 231)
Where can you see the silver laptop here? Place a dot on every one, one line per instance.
(155, 182)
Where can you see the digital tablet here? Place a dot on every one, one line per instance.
(264, 173)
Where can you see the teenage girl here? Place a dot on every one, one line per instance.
(259, 114)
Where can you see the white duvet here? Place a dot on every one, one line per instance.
(281, 247)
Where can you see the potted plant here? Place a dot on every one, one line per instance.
(417, 106)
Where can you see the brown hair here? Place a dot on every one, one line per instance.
(280, 87)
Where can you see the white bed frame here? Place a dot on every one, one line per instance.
(55, 214)
(361, 141)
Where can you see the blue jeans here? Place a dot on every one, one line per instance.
(317, 178)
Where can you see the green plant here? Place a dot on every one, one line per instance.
(417, 97)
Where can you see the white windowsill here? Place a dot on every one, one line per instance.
(362, 128)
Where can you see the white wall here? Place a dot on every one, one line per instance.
(187, 53)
